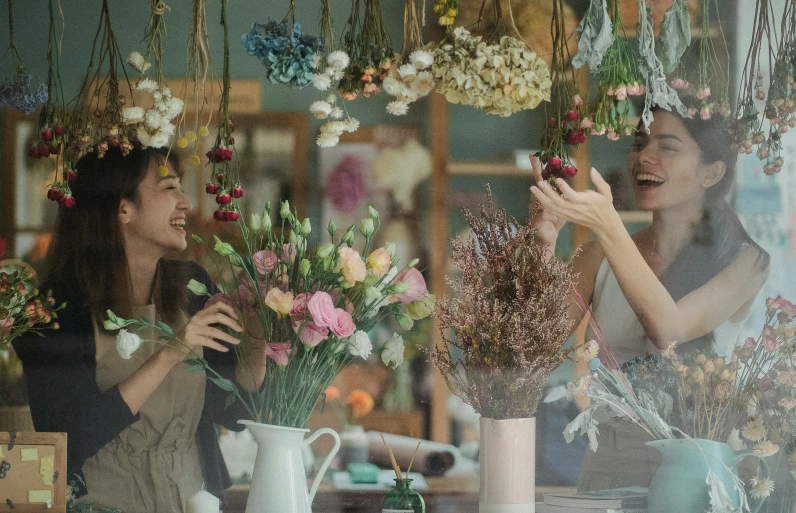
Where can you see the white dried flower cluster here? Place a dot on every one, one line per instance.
(333, 129)
(409, 81)
(336, 63)
(154, 126)
(137, 61)
(501, 78)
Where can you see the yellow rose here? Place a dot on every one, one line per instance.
(278, 301)
(379, 262)
(351, 265)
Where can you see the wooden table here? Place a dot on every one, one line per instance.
(444, 495)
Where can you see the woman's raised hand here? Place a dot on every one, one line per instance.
(591, 208)
(199, 332)
(547, 224)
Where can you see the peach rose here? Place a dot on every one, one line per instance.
(379, 262)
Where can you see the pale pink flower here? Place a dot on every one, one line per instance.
(749, 343)
(417, 286)
(702, 93)
(310, 334)
(322, 309)
(264, 261)
(379, 262)
(343, 324)
(770, 344)
(621, 92)
(692, 112)
(279, 352)
(613, 135)
(787, 377)
(610, 91)
(679, 84)
(577, 101)
(704, 113)
(351, 265)
(289, 252)
(299, 305)
(586, 123)
(788, 403)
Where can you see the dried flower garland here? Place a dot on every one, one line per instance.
(507, 314)
(500, 78)
(749, 126)
(563, 112)
(18, 92)
(370, 50)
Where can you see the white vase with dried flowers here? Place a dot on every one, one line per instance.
(509, 328)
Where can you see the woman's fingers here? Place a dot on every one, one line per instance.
(220, 307)
(568, 192)
(600, 184)
(217, 334)
(208, 316)
(537, 168)
(212, 344)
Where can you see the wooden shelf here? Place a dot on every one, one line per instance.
(635, 216)
(478, 168)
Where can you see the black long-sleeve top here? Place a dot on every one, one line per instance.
(60, 369)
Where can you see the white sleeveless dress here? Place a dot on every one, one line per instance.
(621, 458)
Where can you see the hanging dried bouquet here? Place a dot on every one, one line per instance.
(368, 45)
(19, 91)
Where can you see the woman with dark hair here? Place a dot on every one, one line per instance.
(690, 277)
(141, 433)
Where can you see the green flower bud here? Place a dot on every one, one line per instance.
(324, 250)
(373, 213)
(284, 212)
(400, 287)
(292, 237)
(348, 238)
(268, 206)
(367, 227)
(373, 293)
(304, 267)
(331, 227)
(414, 262)
(198, 288)
(266, 221)
(389, 247)
(423, 308)
(306, 228)
(404, 321)
(222, 248)
(256, 223)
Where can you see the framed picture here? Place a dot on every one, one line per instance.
(33, 472)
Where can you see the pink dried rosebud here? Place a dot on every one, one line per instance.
(610, 91)
(575, 138)
(613, 135)
(552, 122)
(586, 123)
(692, 112)
(783, 129)
(571, 116)
(792, 123)
(769, 169)
(763, 153)
(632, 89)
(704, 113)
(621, 93)
(577, 101)
(702, 93)
(760, 95)
(568, 171)
(679, 84)
(554, 164)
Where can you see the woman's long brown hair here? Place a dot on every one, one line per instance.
(87, 249)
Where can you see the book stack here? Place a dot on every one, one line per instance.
(618, 500)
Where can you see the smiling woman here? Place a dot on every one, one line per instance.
(691, 277)
(140, 425)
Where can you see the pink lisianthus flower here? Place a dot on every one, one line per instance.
(279, 352)
(310, 334)
(299, 306)
(379, 262)
(613, 136)
(577, 100)
(289, 252)
(417, 286)
(702, 93)
(679, 84)
(343, 324)
(692, 112)
(264, 261)
(321, 307)
(351, 265)
(348, 305)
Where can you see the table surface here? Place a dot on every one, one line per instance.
(444, 495)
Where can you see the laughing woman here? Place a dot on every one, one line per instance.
(690, 277)
(140, 430)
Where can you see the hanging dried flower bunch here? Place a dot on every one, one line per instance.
(780, 107)
(494, 72)
(370, 50)
(198, 68)
(224, 177)
(288, 55)
(563, 112)
(749, 124)
(410, 77)
(447, 10)
(616, 64)
(508, 316)
(707, 84)
(18, 91)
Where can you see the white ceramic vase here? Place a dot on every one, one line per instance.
(279, 484)
(508, 460)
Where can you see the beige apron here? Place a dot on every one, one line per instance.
(154, 465)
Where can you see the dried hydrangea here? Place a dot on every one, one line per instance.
(287, 54)
(18, 94)
(501, 78)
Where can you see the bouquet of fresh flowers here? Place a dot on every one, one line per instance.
(313, 310)
(508, 317)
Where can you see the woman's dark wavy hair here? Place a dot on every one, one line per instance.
(87, 249)
(720, 236)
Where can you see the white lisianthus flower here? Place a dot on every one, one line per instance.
(153, 119)
(360, 345)
(421, 59)
(321, 82)
(397, 108)
(127, 343)
(327, 140)
(321, 109)
(132, 115)
(147, 85)
(137, 61)
(393, 352)
(338, 60)
(407, 70)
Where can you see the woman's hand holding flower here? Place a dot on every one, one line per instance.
(199, 332)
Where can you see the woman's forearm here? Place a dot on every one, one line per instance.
(651, 302)
(142, 383)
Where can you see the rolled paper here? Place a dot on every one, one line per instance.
(203, 502)
(431, 459)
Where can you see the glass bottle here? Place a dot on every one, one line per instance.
(403, 499)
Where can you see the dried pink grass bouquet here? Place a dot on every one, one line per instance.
(507, 316)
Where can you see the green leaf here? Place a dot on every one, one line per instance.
(197, 238)
(196, 364)
(675, 35)
(223, 384)
(198, 288)
(166, 329)
(230, 400)
(595, 36)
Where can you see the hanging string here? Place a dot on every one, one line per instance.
(413, 36)
(11, 47)
(159, 7)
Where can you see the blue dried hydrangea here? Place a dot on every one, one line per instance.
(650, 372)
(286, 54)
(19, 95)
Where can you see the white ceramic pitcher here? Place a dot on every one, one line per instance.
(279, 484)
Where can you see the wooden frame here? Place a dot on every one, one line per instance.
(23, 475)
